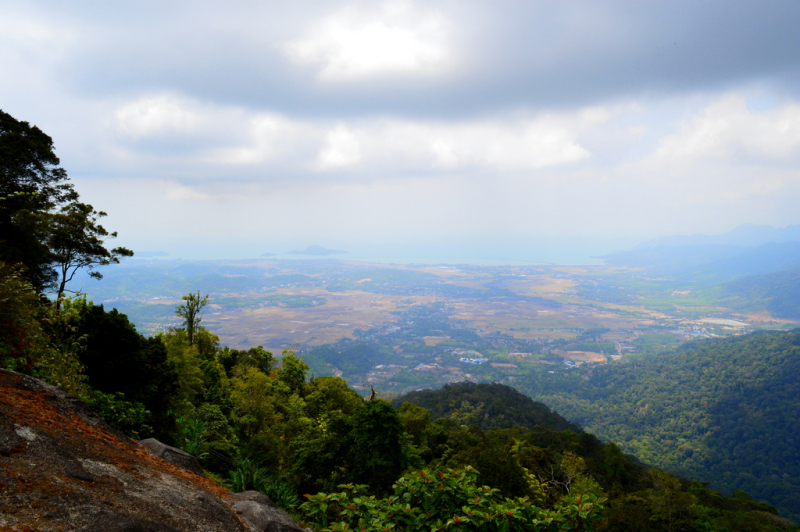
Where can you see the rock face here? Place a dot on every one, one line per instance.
(62, 467)
(261, 513)
(173, 455)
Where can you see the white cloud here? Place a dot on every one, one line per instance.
(343, 149)
(728, 129)
(229, 137)
(370, 172)
(353, 44)
(267, 136)
(531, 144)
(501, 143)
(177, 192)
(157, 115)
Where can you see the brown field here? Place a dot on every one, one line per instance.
(279, 328)
(540, 285)
(580, 357)
(527, 320)
(343, 312)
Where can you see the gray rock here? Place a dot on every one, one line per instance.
(263, 518)
(173, 455)
(78, 472)
(10, 441)
(254, 496)
(109, 521)
(64, 468)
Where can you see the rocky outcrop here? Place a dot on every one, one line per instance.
(173, 455)
(63, 468)
(261, 513)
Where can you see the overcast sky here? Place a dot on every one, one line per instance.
(528, 130)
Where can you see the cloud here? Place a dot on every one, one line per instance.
(728, 130)
(345, 59)
(343, 149)
(375, 145)
(543, 141)
(158, 115)
(266, 138)
(177, 192)
(354, 44)
(502, 143)
(400, 121)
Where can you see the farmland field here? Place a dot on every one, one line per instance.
(278, 304)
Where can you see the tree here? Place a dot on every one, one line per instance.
(190, 312)
(21, 335)
(256, 357)
(293, 372)
(77, 241)
(119, 359)
(31, 182)
(376, 450)
(43, 226)
(446, 500)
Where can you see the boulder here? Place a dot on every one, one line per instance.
(176, 456)
(63, 468)
(264, 518)
(255, 496)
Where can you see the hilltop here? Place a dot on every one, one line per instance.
(487, 406)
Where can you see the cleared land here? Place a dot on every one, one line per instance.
(278, 303)
(338, 317)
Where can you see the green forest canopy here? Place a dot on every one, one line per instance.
(721, 410)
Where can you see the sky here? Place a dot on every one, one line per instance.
(541, 131)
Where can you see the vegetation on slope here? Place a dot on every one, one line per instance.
(258, 422)
(778, 293)
(487, 406)
(721, 410)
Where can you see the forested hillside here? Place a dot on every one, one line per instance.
(724, 411)
(488, 406)
(778, 293)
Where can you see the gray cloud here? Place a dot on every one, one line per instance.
(404, 123)
(535, 54)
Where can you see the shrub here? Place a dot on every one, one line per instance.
(445, 500)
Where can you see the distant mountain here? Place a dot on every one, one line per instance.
(778, 293)
(267, 255)
(767, 258)
(744, 235)
(713, 262)
(318, 250)
(486, 405)
(672, 259)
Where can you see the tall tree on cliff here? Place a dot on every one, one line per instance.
(43, 226)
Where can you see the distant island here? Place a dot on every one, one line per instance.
(318, 250)
(267, 255)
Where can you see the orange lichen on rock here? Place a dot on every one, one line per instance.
(63, 467)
